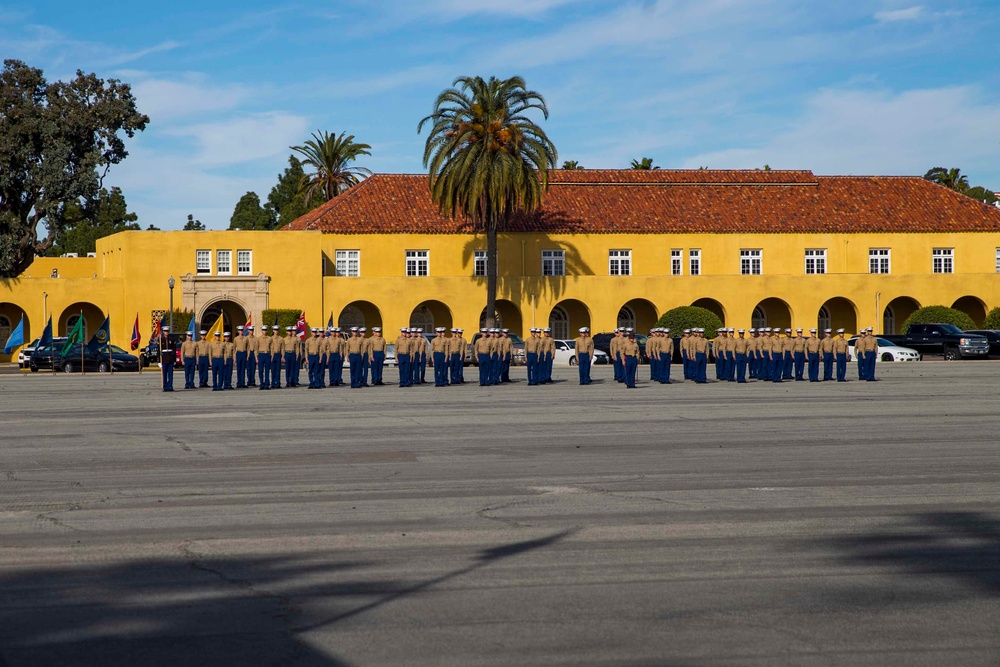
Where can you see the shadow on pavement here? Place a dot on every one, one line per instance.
(196, 611)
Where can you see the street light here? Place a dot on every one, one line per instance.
(170, 284)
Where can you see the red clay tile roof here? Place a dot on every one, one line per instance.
(597, 201)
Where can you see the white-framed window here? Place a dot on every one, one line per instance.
(348, 263)
(479, 262)
(626, 318)
(224, 262)
(676, 262)
(418, 263)
(203, 261)
(244, 262)
(694, 262)
(758, 319)
(750, 264)
(815, 261)
(619, 262)
(553, 262)
(943, 260)
(559, 323)
(879, 260)
(998, 260)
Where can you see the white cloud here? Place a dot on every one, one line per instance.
(865, 132)
(165, 99)
(894, 15)
(455, 9)
(241, 140)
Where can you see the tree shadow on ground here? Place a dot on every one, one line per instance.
(961, 545)
(198, 610)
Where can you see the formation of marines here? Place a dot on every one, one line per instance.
(257, 361)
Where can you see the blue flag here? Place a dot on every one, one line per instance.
(101, 337)
(46, 338)
(16, 337)
(329, 322)
(191, 331)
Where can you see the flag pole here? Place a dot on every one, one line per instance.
(83, 370)
(52, 350)
(111, 366)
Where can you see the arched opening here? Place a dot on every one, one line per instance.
(568, 316)
(774, 313)
(233, 315)
(758, 319)
(973, 307)
(714, 306)
(896, 312)
(359, 314)
(93, 317)
(430, 314)
(640, 313)
(10, 316)
(840, 313)
(507, 316)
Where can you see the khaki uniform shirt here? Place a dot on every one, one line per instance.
(203, 346)
(228, 350)
(630, 348)
(189, 349)
(741, 345)
(699, 344)
(355, 345)
(241, 343)
(812, 345)
(798, 344)
(826, 345)
(215, 349)
(402, 345)
(584, 345)
(290, 344)
(440, 344)
(840, 346)
(482, 345)
(314, 345)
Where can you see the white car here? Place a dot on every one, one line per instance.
(887, 351)
(566, 354)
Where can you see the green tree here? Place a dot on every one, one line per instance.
(644, 163)
(487, 160)
(57, 142)
(108, 215)
(939, 315)
(249, 214)
(286, 318)
(331, 156)
(949, 178)
(287, 199)
(992, 320)
(152, 228)
(193, 225)
(979, 193)
(571, 164)
(689, 317)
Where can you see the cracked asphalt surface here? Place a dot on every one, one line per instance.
(793, 524)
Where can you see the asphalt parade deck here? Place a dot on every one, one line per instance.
(758, 524)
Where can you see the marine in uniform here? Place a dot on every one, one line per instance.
(366, 355)
(240, 356)
(289, 346)
(314, 352)
(699, 345)
(653, 354)
(741, 345)
(168, 357)
(189, 356)
(531, 356)
(339, 347)
(583, 350)
(251, 367)
(506, 354)
(614, 349)
(826, 350)
(666, 349)
(778, 345)
(860, 346)
(217, 360)
(203, 347)
(264, 357)
(228, 361)
(376, 355)
(719, 352)
(454, 357)
(481, 348)
(355, 357)
(495, 356)
(799, 355)
(730, 374)
(840, 354)
(403, 358)
(630, 357)
(872, 356)
(277, 348)
(686, 356)
(548, 348)
(764, 346)
(812, 355)
(439, 356)
(787, 345)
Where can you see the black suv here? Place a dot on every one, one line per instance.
(602, 342)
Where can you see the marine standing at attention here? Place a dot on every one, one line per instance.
(355, 350)
(840, 354)
(531, 356)
(812, 355)
(506, 354)
(826, 349)
(376, 354)
(583, 350)
(189, 356)
(229, 358)
(264, 358)
(203, 348)
(251, 367)
(240, 356)
(630, 357)
(481, 348)
(218, 361)
(439, 356)
(168, 357)
(548, 348)
(403, 357)
(314, 351)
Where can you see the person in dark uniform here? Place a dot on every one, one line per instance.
(376, 355)
(531, 356)
(355, 356)
(240, 356)
(506, 354)
(482, 348)
(666, 351)
(439, 356)
(699, 346)
(168, 356)
(314, 352)
(813, 345)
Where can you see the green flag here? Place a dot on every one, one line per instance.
(75, 336)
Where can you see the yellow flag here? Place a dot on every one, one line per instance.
(217, 327)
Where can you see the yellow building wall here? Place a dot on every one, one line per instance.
(129, 276)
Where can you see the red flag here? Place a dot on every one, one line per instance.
(246, 327)
(136, 338)
(157, 328)
(300, 326)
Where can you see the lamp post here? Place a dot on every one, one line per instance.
(45, 305)
(170, 284)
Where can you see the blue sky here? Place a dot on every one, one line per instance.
(880, 87)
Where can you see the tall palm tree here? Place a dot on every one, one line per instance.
(644, 163)
(571, 164)
(487, 160)
(331, 157)
(949, 178)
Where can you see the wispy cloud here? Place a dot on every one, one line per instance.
(240, 140)
(131, 56)
(192, 93)
(894, 15)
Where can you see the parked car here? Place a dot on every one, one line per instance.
(944, 339)
(517, 357)
(390, 355)
(44, 356)
(887, 351)
(151, 353)
(566, 354)
(992, 336)
(602, 342)
(78, 356)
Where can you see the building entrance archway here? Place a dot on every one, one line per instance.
(233, 315)
(774, 312)
(567, 316)
(507, 316)
(93, 317)
(714, 306)
(10, 316)
(639, 314)
(840, 313)
(896, 312)
(430, 314)
(359, 314)
(972, 306)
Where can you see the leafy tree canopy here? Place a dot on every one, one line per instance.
(689, 317)
(57, 142)
(287, 200)
(249, 214)
(571, 164)
(644, 163)
(992, 320)
(940, 315)
(193, 225)
(330, 156)
(109, 216)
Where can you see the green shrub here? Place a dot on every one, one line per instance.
(992, 320)
(689, 317)
(286, 318)
(182, 319)
(940, 315)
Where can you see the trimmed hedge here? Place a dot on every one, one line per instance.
(689, 317)
(941, 315)
(182, 319)
(992, 320)
(286, 318)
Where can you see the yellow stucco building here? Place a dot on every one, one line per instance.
(760, 248)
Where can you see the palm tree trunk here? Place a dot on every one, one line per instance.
(491, 273)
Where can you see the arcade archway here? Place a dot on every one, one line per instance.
(359, 314)
(567, 316)
(233, 315)
(93, 317)
(639, 314)
(773, 312)
(838, 313)
(972, 306)
(714, 306)
(896, 312)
